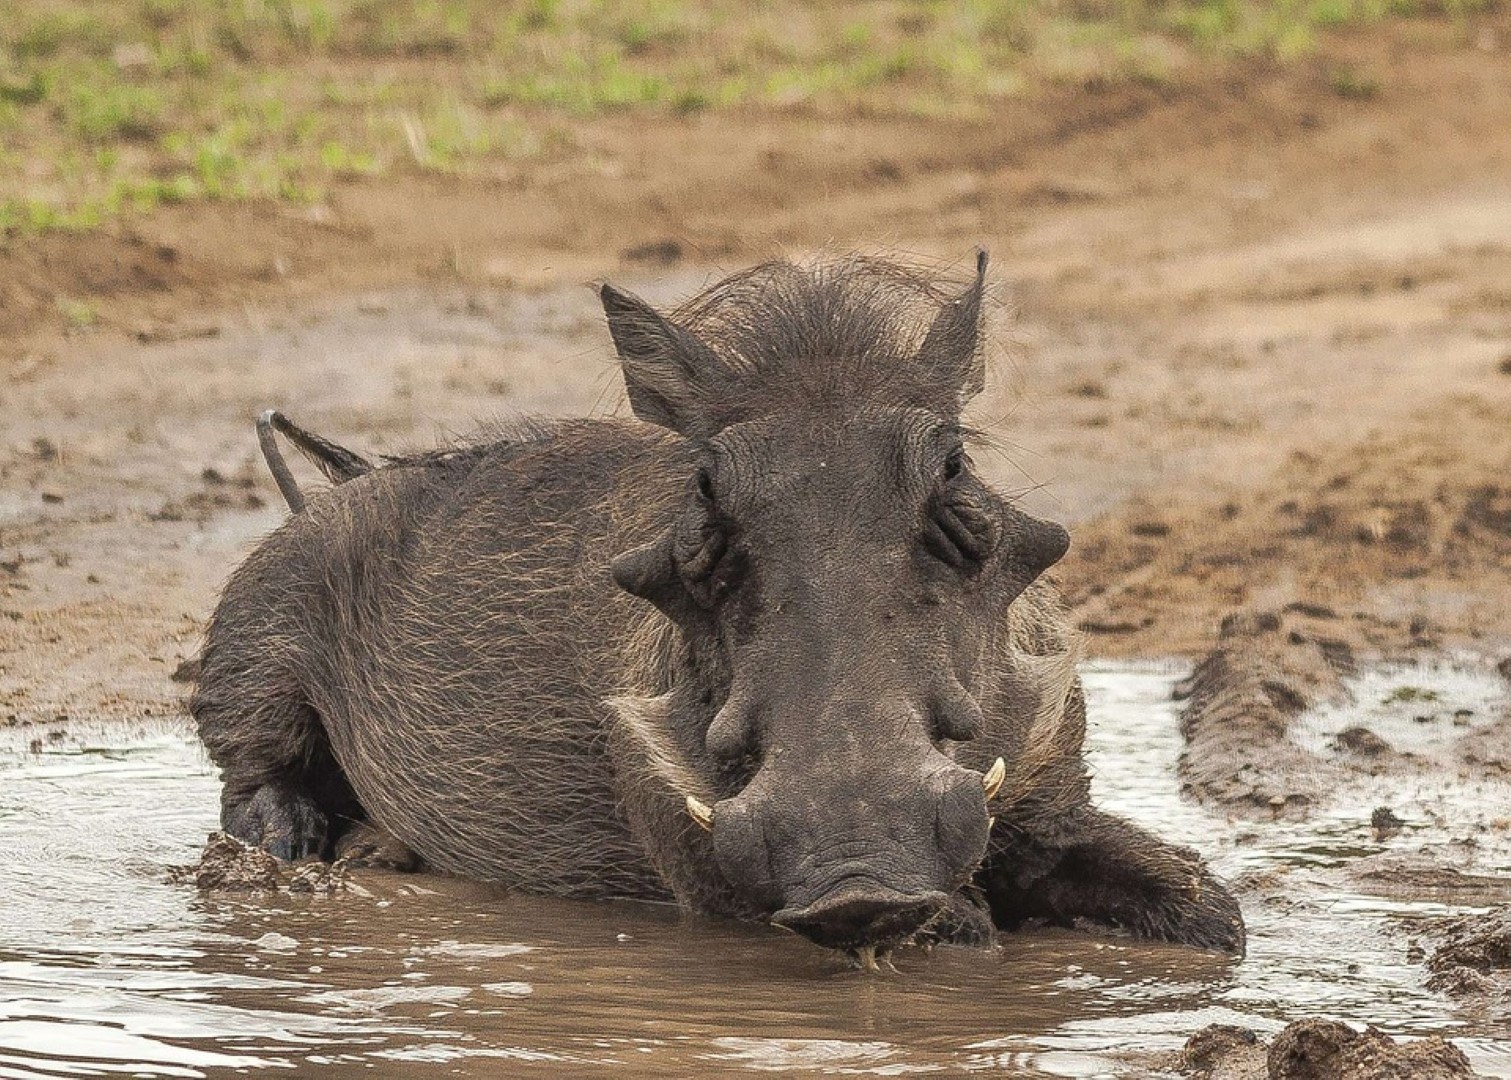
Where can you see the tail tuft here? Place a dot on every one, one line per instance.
(336, 462)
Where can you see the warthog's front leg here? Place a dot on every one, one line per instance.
(1088, 865)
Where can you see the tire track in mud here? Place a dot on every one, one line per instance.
(1249, 752)
(1246, 698)
(1242, 699)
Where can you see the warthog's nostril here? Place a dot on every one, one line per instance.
(862, 916)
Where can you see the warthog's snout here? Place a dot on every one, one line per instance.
(860, 915)
(861, 858)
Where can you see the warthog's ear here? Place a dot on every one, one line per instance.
(667, 371)
(953, 344)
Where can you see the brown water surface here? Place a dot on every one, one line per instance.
(107, 969)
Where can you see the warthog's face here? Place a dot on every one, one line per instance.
(854, 571)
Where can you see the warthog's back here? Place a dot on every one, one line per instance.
(466, 633)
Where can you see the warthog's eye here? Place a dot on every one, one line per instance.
(708, 567)
(700, 561)
(958, 530)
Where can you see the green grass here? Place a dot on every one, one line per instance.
(77, 315)
(1410, 694)
(111, 107)
(1348, 82)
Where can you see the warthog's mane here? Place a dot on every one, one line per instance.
(1043, 650)
(835, 331)
(463, 452)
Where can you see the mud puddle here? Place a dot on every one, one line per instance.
(105, 968)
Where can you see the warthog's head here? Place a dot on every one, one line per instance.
(846, 575)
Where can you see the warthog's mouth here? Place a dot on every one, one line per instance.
(864, 921)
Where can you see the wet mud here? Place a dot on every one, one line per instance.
(1318, 1050)
(1470, 957)
(1281, 725)
(1263, 371)
(1241, 701)
(1247, 751)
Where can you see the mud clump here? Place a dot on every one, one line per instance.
(228, 865)
(1315, 1049)
(1360, 740)
(1222, 1052)
(1385, 823)
(1329, 1050)
(317, 877)
(1241, 700)
(1473, 957)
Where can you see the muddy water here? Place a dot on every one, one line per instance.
(105, 968)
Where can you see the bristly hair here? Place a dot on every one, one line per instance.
(843, 331)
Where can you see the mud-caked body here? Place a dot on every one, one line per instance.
(773, 649)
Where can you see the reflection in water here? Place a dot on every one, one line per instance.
(107, 969)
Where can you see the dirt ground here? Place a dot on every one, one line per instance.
(1255, 342)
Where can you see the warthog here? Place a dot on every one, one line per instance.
(774, 649)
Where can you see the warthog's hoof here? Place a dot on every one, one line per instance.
(285, 823)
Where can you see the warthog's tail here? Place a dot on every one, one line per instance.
(336, 462)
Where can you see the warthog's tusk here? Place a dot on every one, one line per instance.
(993, 778)
(701, 813)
